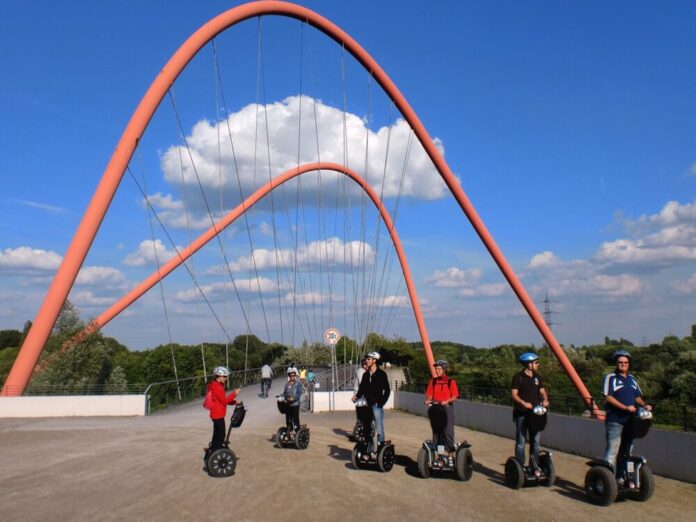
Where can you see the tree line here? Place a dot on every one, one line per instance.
(666, 371)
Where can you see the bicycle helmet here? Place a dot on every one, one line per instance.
(221, 371)
(374, 355)
(621, 353)
(528, 357)
(441, 362)
(291, 370)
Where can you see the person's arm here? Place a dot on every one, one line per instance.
(386, 389)
(230, 398)
(544, 397)
(615, 403)
(516, 397)
(429, 392)
(361, 387)
(454, 391)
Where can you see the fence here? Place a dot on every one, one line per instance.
(668, 414)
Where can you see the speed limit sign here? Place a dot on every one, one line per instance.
(332, 336)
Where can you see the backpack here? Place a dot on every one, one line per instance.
(208, 402)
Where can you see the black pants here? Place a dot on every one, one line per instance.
(292, 417)
(218, 434)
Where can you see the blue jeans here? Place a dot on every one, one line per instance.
(521, 436)
(378, 413)
(619, 444)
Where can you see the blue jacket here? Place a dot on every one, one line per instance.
(292, 393)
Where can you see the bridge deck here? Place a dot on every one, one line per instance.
(150, 468)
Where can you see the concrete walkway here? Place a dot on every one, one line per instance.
(151, 469)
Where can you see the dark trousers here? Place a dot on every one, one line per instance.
(218, 434)
(292, 417)
(446, 437)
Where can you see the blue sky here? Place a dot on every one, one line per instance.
(570, 126)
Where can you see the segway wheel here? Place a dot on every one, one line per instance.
(386, 458)
(222, 463)
(359, 432)
(423, 463)
(647, 484)
(514, 474)
(548, 468)
(280, 436)
(464, 464)
(302, 438)
(600, 486)
(355, 458)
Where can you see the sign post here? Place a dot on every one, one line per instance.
(331, 337)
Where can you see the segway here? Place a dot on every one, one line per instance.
(433, 457)
(385, 456)
(285, 436)
(603, 484)
(222, 462)
(538, 472)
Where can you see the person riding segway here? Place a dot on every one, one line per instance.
(374, 388)
(442, 453)
(531, 404)
(220, 461)
(620, 471)
(289, 404)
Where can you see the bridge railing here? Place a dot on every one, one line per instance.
(668, 414)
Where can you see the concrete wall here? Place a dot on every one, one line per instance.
(669, 453)
(320, 401)
(74, 406)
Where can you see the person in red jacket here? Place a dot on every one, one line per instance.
(444, 391)
(218, 407)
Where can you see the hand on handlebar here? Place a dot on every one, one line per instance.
(632, 409)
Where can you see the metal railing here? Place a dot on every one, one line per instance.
(668, 414)
(78, 389)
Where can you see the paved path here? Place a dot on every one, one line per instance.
(151, 469)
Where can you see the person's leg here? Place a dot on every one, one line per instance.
(296, 416)
(613, 430)
(520, 438)
(379, 422)
(449, 429)
(625, 448)
(218, 434)
(534, 439)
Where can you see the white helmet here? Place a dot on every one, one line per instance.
(221, 371)
(291, 369)
(374, 355)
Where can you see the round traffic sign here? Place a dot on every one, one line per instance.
(332, 336)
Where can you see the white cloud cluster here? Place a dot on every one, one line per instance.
(103, 276)
(210, 158)
(216, 292)
(330, 252)
(25, 258)
(389, 301)
(467, 281)
(149, 253)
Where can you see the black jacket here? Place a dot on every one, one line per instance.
(375, 388)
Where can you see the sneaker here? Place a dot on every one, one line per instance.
(451, 462)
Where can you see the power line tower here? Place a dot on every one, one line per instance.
(547, 311)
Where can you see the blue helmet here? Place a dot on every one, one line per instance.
(621, 353)
(528, 357)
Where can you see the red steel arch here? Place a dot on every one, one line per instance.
(74, 257)
(147, 283)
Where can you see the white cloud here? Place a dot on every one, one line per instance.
(25, 258)
(485, 290)
(216, 292)
(388, 301)
(544, 259)
(455, 277)
(87, 298)
(145, 254)
(330, 252)
(104, 276)
(422, 180)
(165, 202)
(305, 299)
(688, 286)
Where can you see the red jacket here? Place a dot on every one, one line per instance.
(442, 389)
(220, 401)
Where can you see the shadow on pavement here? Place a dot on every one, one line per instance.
(571, 490)
(343, 433)
(339, 453)
(493, 475)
